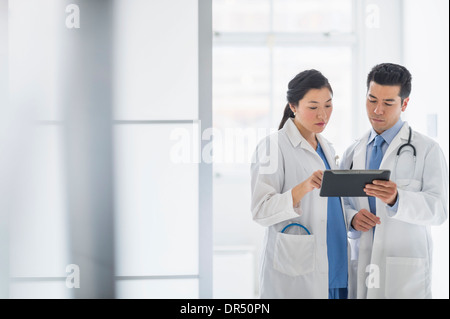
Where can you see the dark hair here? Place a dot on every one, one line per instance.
(299, 86)
(391, 74)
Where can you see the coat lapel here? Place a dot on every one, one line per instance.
(327, 150)
(398, 140)
(359, 155)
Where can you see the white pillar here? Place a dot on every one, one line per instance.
(205, 169)
(4, 199)
(86, 90)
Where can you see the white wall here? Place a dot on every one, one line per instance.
(160, 202)
(379, 34)
(426, 54)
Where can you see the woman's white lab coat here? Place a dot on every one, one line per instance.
(395, 261)
(293, 266)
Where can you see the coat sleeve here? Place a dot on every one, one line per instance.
(268, 204)
(426, 205)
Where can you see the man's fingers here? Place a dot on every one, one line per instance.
(369, 217)
(362, 227)
(381, 182)
(368, 223)
(378, 191)
(388, 184)
(384, 190)
(365, 220)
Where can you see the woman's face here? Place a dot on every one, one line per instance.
(313, 111)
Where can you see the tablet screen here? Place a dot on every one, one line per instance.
(350, 183)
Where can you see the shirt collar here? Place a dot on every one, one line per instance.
(387, 135)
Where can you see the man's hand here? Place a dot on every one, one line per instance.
(364, 220)
(384, 190)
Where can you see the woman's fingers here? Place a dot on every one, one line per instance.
(316, 179)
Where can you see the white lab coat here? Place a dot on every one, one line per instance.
(293, 266)
(395, 262)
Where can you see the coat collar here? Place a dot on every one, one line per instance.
(359, 157)
(399, 139)
(297, 139)
(293, 133)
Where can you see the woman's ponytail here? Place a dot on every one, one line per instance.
(286, 115)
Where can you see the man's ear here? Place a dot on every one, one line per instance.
(405, 104)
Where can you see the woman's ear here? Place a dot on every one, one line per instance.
(293, 108)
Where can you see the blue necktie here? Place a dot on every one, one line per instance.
(374, 163)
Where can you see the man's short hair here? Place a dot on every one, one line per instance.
(391, 74)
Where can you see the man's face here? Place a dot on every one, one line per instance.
(384, 106)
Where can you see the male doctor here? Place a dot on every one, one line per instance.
(390, 229)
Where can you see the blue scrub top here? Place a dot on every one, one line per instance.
(336, 239)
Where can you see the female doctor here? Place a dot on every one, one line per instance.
(305, 247)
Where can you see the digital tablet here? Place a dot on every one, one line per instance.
(349, 183)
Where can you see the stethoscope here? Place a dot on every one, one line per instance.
(408, 143)
(295, 224)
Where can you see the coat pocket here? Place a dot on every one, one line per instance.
(405, 278)
(409, 185)
(294, 255)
